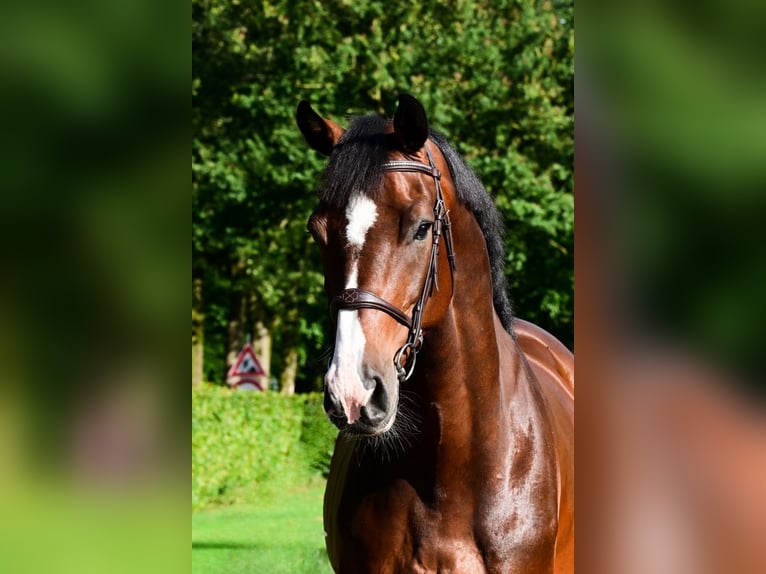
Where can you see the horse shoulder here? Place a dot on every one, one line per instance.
(336, 484)
(553, 367)
(368, 517)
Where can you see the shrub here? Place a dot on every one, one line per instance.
(249, 445)
(317, 434)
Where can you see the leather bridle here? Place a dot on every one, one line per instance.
(404, 359)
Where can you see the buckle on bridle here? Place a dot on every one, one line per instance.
(404, 371)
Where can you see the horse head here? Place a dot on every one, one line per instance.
(380, 223)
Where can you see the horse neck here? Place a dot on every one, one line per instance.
(483, 412)
(461, 356)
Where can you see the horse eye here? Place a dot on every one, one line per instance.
(422, 231)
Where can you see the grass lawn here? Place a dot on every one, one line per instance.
(281, 535)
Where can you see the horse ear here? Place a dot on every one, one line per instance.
(410, 124)
(321, 134)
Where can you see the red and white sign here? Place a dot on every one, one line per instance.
(246, 370)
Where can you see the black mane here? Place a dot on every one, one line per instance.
(356, 167)
(471, 191)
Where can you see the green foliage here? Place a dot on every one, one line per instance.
(497, 78)
(249, 445)
(317, 434)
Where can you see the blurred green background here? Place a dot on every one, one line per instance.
(94, 215)
(671, 114)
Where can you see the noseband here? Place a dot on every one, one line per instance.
(404, 359)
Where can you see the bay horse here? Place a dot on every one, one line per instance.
(456, 450)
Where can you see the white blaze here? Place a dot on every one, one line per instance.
(361, 214)
(344, 377)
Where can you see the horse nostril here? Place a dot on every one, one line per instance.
(380, 398)
(376, 409)
(372, 383)
(333, 408)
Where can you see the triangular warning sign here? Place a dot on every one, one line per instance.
(246, 364)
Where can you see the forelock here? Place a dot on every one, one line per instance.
(355, 165)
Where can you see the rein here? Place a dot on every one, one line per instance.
(404, 359)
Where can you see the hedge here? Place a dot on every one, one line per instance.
(247, 445)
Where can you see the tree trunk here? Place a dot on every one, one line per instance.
(289, 372)
(198, 332)
(262, 346)
(236, 328)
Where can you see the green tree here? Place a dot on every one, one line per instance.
(496, 78)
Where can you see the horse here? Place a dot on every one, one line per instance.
(456, 450)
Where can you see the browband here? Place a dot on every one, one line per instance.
(361, 299)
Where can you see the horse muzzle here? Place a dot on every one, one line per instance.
(360, 406)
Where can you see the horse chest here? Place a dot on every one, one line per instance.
(407, 538)
(447, 556)
(396, 532)
(457, 521)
